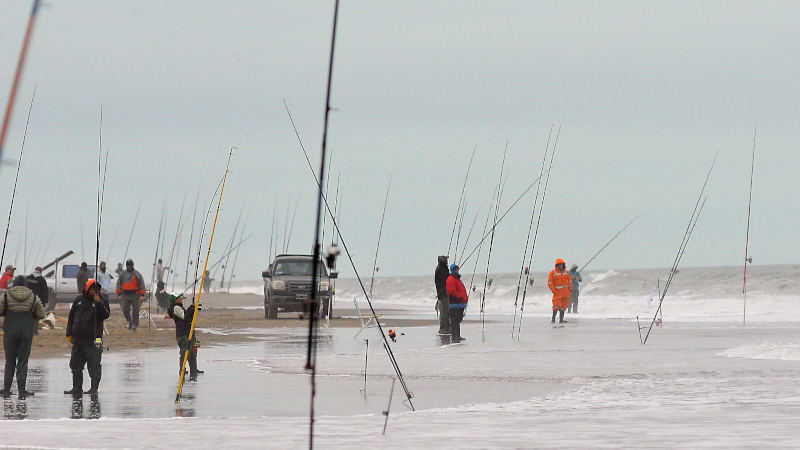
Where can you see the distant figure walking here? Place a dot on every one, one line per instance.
(442, 304)
(207, 282)
(22, 310)
(82, 277)
(576, 286)
(560, 284)
(458, 298)
(8, 275)
(130, 293)
(118, 270)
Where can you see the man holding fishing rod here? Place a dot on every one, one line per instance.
(576, 285)
(442, 304)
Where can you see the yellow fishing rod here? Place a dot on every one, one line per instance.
(203, 279)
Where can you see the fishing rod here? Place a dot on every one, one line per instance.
(113, 240)
(684, 242)
(530, 228)
(230, 244)
(461, 198)
(102, 171)
(286, 224)
(313, 326)
(16, 177)
(747, 258)
(291, 227)
(25, 245)
(205, 269)
(536, 232)
(469, 234)
(155, 260)
(477, 260)
(133, 227)
(380, 232)
(460, 227)
(236, 258)
(18, 75)
(386, 346)
(272, 230)
(191, 236)
(500, 219)
(181, 222)
(217, 262)
(610, 241)
(500, 188)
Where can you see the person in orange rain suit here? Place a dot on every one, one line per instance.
(560, 283)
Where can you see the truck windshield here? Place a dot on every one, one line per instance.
(297, 268)
(71, 271)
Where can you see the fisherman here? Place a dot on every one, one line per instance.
(183, 318)
(104, 278)
(22, 310)
(576, 284)
(36, 283)
(8, 275)
(560, 284)
(457, 297)
(85, 333)
(119, 270)
(207, 282)
(442, 304)
(130, 293)
(162, 297)
(82, 277)
(160, 270)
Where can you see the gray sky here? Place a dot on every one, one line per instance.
(647, 92)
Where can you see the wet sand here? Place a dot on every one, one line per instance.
(223, 312)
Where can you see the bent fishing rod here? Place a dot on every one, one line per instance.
(609, 242)
(380, 233)
(16, 177)
(205, 269)
(747, 258)
(682, 249)
(499, 190)
(335, 222)
(18, 75)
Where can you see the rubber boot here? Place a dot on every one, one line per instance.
(561, 317)
(553, 320)
(23, 392)
(77, 384)
(95, 385)
(5, 393)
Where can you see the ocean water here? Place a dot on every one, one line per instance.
(696, 294)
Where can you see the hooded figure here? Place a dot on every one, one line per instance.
(38, 284)
(85, 333)
(22, 309)
(576, 284)
(560, 284)
(457, 296)
(442, 304)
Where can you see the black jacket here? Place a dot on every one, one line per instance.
(442, 272)
(182, 324)
(86, 319)
(39, 287)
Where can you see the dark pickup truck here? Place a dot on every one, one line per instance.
(287, 285)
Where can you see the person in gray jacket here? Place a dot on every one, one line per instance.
(130, 293)
(21, 308)
(576, 283)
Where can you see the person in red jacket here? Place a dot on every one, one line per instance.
(560, 283)
(8, 275)
(457, 297)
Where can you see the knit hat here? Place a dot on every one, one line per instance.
(19, 280)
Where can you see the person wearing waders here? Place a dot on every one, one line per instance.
(22, 310)
(560, 284)
(183, 323)
(457, 296)
(576, 286)
(442, 304)
(130, 293)
(85, 333)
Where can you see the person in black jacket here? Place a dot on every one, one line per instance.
(183, 323)
(37, 283)
(440, 278)
(85, 333)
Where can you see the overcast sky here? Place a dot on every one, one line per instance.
(647, 93)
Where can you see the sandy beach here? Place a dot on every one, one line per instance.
(221, 312)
